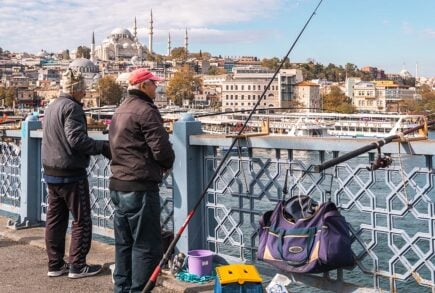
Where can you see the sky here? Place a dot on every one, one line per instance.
(388, 34)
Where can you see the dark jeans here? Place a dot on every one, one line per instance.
(138, 242)
(62, 199)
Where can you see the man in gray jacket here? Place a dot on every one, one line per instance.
(66, 151)
(141, 153)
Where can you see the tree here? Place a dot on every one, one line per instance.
(216, 71)
(336, 101)
(270, 63)
(179, 53)
(110, 91)
(201, 55)
(183, 85)
(65, 55)
(8, 95)
(83, 51)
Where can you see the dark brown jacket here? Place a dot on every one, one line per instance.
(140, 145)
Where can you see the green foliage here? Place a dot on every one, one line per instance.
(65, 55)
(201, 55)
(216, 71)
(274, 62)
(183, 85)
(110, 91)
(336, 101)
(179, 53)
(83, 51)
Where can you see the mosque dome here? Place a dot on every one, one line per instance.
(84, 65)
(121, 33)
(405, 73)
(42, 54)
(123, 77)
(135, 60)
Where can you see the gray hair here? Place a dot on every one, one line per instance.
(137, 86)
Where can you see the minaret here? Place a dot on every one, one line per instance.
(169, 44)
(186, 43)
(135, 29)
(93, 48)
(150, 41)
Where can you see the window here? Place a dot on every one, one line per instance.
(249, 87)
(226, 87)
(231, 87)
(243, 97)
(249, 97)
(236, 96)
(235, 87)
(243, 87)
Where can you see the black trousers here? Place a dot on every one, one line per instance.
(138, 240)
(62, 199)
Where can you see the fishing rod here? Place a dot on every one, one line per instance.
(153, 279)
(374, 145)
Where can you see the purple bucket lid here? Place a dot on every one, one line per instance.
(199, 253)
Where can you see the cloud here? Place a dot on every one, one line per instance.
(430, 32)
(406, 28)
(61, 24)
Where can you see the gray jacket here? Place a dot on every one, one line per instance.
(66, 147)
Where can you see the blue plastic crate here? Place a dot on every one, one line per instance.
(237, 288)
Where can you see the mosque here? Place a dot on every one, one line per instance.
(122, 45)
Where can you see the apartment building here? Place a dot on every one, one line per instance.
(247, 84)
(307, 94)
(379, 96)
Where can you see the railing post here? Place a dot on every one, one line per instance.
(188, 178)
(30, 204)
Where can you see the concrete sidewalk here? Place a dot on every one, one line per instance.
(23, 267)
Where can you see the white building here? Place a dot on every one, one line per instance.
(243, 91)
(308, 95)
(120, 45)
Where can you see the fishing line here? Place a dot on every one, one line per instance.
(153, 279)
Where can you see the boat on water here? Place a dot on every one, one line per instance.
(286, 123)
(308, 124)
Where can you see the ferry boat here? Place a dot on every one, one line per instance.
(285, 123)
(309, 124)
(371, 125)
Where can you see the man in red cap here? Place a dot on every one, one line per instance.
(141, 153)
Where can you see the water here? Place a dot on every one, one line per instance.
(357, 211)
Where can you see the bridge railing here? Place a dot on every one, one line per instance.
(391, 211)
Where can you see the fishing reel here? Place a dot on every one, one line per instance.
(382, 161)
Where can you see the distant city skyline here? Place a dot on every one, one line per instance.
(390, 34)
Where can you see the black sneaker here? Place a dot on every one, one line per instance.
(60, 272)
(86, 271)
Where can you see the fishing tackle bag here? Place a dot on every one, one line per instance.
(315, 239)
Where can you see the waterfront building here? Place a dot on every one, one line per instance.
(244, 89)
(308, 95)
(381, 96)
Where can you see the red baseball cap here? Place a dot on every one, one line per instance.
(140, 75)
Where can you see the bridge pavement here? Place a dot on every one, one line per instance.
(23, 267)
